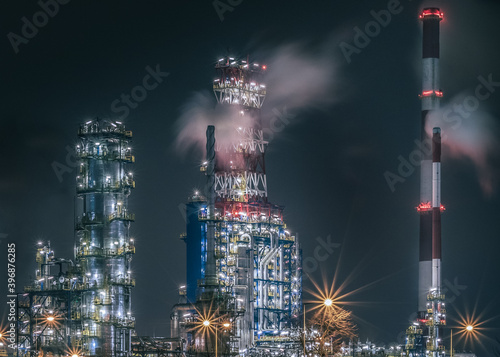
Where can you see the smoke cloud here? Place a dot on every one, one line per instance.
(470, 134)
(298, 80)
(295, 79)
(201, 111)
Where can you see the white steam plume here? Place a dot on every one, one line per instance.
(470, 134)
(295, 80)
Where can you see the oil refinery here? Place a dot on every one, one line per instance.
(243, 289)
(244, 277)
(243, 265)
(82, 306)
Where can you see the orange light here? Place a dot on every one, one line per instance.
(206, 323)
(74, 352)
(264, 67)
(50, 318)
(469, 328)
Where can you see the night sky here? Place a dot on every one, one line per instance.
(326, 166)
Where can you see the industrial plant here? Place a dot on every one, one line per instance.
(243, 265)
(243, 292)
(424, 337)
(82, 306)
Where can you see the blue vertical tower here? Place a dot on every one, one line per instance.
(196, 245)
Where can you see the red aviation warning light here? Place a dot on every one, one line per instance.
(427, 206)
(431, 12)
(424, 206)
(430, 93)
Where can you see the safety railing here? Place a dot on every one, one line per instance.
(87, 251)
(122, 216)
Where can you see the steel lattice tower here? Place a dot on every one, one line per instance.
(236, 239)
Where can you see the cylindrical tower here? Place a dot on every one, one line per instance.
(103, 247)
(436, 311)
(436, 209)
(210, 270)
(430, 96)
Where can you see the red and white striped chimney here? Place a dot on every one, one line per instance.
(431, 95)
(436, 209)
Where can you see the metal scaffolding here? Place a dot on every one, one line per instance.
(257, 260)
(49, 311)
(84, 307)
(147, 346)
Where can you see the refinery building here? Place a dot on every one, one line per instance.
(243, 264)
(243, 291)
(242, 294)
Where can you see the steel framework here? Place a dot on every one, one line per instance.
(257, 260)
(89, 303)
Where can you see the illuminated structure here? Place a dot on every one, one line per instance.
(240, 256)
(436, 311)
(84, 305)
(424, 337)
(50, 310)
(431, 95)
(104, 248)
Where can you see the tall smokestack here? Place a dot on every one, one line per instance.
(210, 273)
(430, 96)
(436, 209)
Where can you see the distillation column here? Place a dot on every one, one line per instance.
(104, 248)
